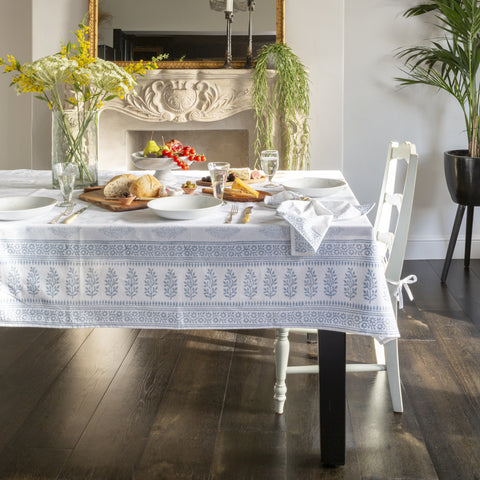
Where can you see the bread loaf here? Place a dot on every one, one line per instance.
(147, 186)
(119, 185)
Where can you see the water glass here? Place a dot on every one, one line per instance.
(270, 161)
(218, 174)
(66, 174)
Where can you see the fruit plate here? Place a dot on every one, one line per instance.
(185, 207)
(315, 186)
(161, 165)
(20, 208)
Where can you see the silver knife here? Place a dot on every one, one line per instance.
(71, 218)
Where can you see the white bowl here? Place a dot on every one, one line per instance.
(19, 208)
(315, 186)
(184, 207)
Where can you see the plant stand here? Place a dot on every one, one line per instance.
(453, 238)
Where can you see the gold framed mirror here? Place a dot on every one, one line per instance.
(94, 18)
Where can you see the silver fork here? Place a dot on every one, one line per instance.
(67, 211)
(233, 211)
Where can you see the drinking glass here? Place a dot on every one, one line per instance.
(66, 174)
(269, 160)
(218, 174)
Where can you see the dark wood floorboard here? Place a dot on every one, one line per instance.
(116, 404)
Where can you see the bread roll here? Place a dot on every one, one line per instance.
(119, 185)
(146, 186)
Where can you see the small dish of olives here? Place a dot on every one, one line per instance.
(188, 187)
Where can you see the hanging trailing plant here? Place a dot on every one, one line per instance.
(286, 98)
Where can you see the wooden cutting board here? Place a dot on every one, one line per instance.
(95, 196)
(235, 196)
(201, 183)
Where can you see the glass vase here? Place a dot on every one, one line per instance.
(75, 139)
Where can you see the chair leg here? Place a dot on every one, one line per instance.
(281, 352)
(468, 236)
(393, 374)
(453, 241)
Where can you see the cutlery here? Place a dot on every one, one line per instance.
(246, 214)
(67, 211)
(71, 218)
(233, 212)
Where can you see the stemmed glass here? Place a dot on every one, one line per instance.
(270, 161)
(66, 174)
(218, 174)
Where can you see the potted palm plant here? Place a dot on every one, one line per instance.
(451, 64)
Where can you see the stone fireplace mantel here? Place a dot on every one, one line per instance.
(205, 103)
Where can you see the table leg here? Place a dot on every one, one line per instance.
(331, 363)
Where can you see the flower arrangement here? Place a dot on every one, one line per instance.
(75, 86)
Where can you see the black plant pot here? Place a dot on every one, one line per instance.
(462, 173)
(463, 177)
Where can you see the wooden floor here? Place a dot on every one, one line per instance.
(100, 404)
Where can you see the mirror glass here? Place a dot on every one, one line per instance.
(186, 30)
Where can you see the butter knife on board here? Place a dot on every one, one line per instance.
(71, 218)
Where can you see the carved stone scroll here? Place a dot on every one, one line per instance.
(193, 98)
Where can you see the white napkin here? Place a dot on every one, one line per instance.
(310, 219)
(309, 222)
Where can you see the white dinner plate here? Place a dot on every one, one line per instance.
(19, 208)
(184, 207)
(314, 186)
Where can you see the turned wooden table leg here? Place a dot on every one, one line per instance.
(281, 352)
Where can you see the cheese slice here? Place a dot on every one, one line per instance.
(241, 173)
(243, 187)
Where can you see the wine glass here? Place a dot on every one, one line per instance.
(66, 174)
(269, 160)
(218, 174)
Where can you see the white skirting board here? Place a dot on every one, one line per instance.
(434, 248)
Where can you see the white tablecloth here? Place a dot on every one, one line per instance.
(134, 269)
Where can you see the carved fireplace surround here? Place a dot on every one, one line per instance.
(210, 110)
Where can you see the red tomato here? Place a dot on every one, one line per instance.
(192, 151)
(203, 158)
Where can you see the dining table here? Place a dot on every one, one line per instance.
(136, 269)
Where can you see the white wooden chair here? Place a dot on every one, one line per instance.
(391, 233)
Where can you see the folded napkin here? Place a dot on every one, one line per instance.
(310, 219)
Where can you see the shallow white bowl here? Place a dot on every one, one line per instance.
(185, 207)
(315, 186)
(19, 208)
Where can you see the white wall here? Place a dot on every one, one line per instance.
(349, 48)
(376, 111)
(15, 111)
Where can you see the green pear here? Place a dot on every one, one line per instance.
(152, 149)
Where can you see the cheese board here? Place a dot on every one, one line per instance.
(95, 196)
(202, 183)
(238, 196)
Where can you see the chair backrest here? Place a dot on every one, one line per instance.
(397, 193)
